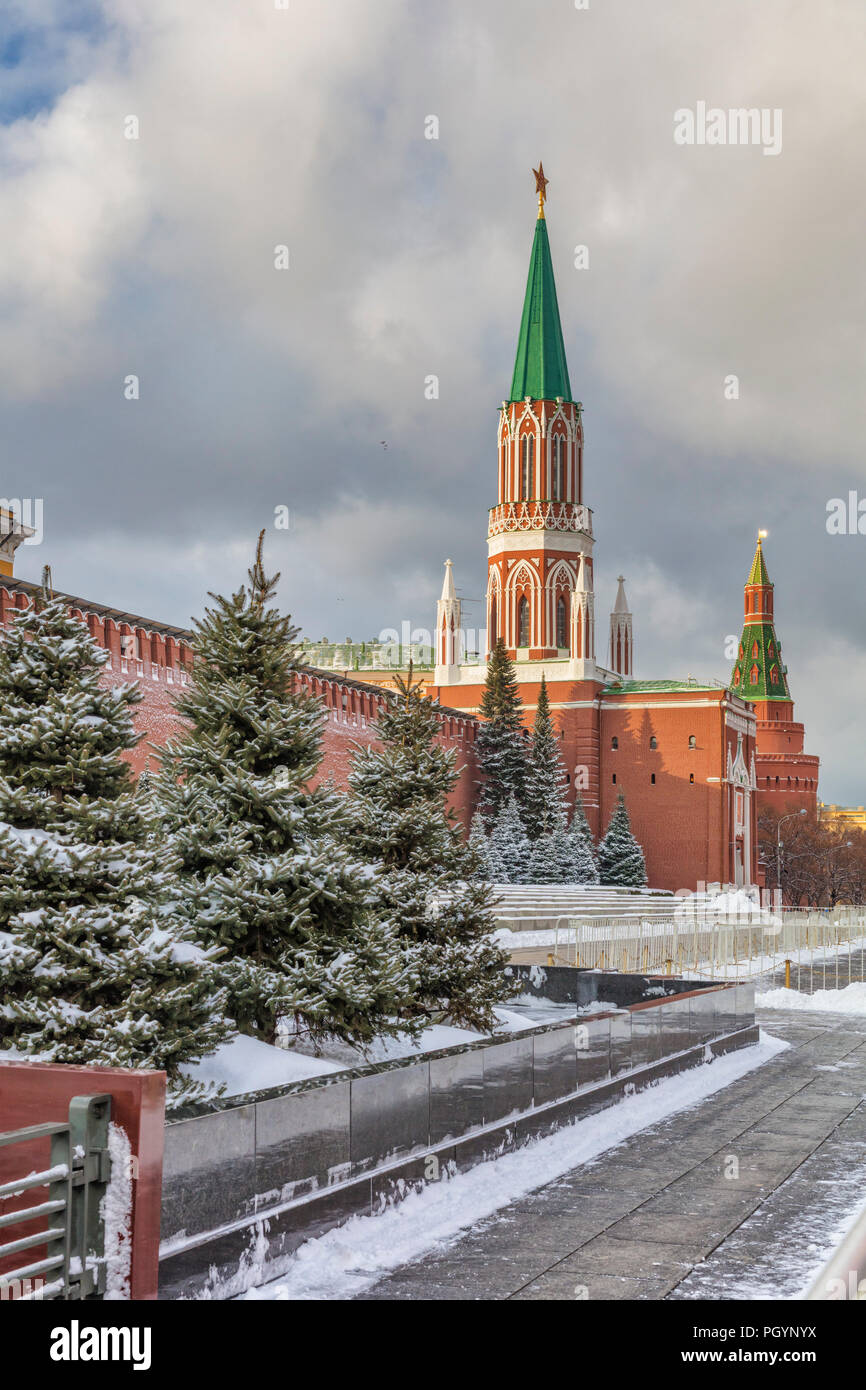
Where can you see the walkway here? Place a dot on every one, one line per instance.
(738, 1197)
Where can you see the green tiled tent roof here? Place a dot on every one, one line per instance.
(540, 368)
(759, 673)
(768, 661)
(758, 573)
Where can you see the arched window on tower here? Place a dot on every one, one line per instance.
(493, 634)
(753, 674)
(523, 622)
(561, 622)
(526, 468)
(754, 649)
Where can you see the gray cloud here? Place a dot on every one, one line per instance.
(408, 257)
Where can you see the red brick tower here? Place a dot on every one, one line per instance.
(539, 533)
(540, 597)
(787, 777)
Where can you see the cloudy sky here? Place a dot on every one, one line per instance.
(262, 388)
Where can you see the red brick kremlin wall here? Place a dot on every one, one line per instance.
(159, 658)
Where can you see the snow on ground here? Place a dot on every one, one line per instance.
(353, 1257)
(850, 1000)
(540, 1010)
(523, 940)
(431, 1040)
(732, 907)
(248, 1064)
(511, 1021)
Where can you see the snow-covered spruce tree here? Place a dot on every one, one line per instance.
(579, 850)
(483, 845)
(510, 844)
(479, 843)
(263, 867)
(545, 796)
(501, 742)
(621, 861)
(545, 864)
(554, 858)
(498, 870)
(580, 827)
(424, 871)
(92, 969)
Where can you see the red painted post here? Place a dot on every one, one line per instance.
(34, 1093)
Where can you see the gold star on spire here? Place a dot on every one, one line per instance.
(540, 187)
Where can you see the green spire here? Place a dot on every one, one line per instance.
(759, 673)
(758, 573)
(540, 368)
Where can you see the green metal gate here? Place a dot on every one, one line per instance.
(73, 1236)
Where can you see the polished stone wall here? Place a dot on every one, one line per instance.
(321, 1150)
(564, 984)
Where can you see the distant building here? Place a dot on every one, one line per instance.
(852, 816)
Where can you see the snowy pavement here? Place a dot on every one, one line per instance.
(738, 1190)
(352, 1258)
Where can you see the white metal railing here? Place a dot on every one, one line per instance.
(724, 947)
(728, 947)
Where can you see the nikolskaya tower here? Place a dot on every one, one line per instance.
(540, 569)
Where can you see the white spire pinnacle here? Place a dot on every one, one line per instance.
(581, 576)
(448, 590)
(621, 636)
(449, 632)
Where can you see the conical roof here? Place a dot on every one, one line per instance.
(758, 573)
(540, 368)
